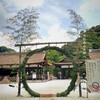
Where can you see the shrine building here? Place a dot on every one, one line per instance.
(35, 64)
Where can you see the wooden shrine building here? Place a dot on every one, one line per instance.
(34, 65)
(94, 54)
(65, 65)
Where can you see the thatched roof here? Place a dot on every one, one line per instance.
(94, 54)
(13, 59)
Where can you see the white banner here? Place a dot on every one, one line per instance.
(34, 75)
(93, 75)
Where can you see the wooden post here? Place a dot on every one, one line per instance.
(19, 84)
(17, 77)
(80, 92)
(87, 90)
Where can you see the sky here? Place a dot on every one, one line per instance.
(54, 20)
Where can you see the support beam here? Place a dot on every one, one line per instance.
(31, 44)
(19, 84)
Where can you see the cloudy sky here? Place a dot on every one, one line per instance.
(53, 20)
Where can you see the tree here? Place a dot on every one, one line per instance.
(23, 29)
(77, 22)
(92, 39)
(5, 49)
(70, 50)
(54, 56)
(56, 72)
(23, 25)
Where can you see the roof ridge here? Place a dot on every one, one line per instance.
(18, 53)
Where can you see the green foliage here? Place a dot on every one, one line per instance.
(10, 50)
(48, 69)
(14, 71)
(56, 72)
(88, 90)
(11, 85)
(35, 94)
(69, 73)
(92, 41)
(83, 71)
(13, 74)
(92, 37)
(53, 56)
(70, 50)
(13, 79)
(22, 69)
(5, 49)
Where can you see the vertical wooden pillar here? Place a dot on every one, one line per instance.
(38, 72)
(42, 73)
(17, 78)
(19, 84)
(61, 73)
(80, 92)
(28, 72)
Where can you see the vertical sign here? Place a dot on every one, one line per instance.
(93, 75)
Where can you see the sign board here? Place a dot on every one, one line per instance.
(67, 66)
(71, 66)
(34, 75)
(93, 75)
(64, 66)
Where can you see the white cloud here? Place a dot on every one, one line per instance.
(55, 34)
(51, 14)
(90, 4)
(6, 40)
(12, 5)
(25, 3)
(58, 10)
(90, 11)
(4, 13)
(49, 18)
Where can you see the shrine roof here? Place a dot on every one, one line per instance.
(13, 58)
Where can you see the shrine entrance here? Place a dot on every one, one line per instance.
(22, 66)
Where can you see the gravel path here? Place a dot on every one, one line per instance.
(50, 87)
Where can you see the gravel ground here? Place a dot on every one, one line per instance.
(50, 87)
